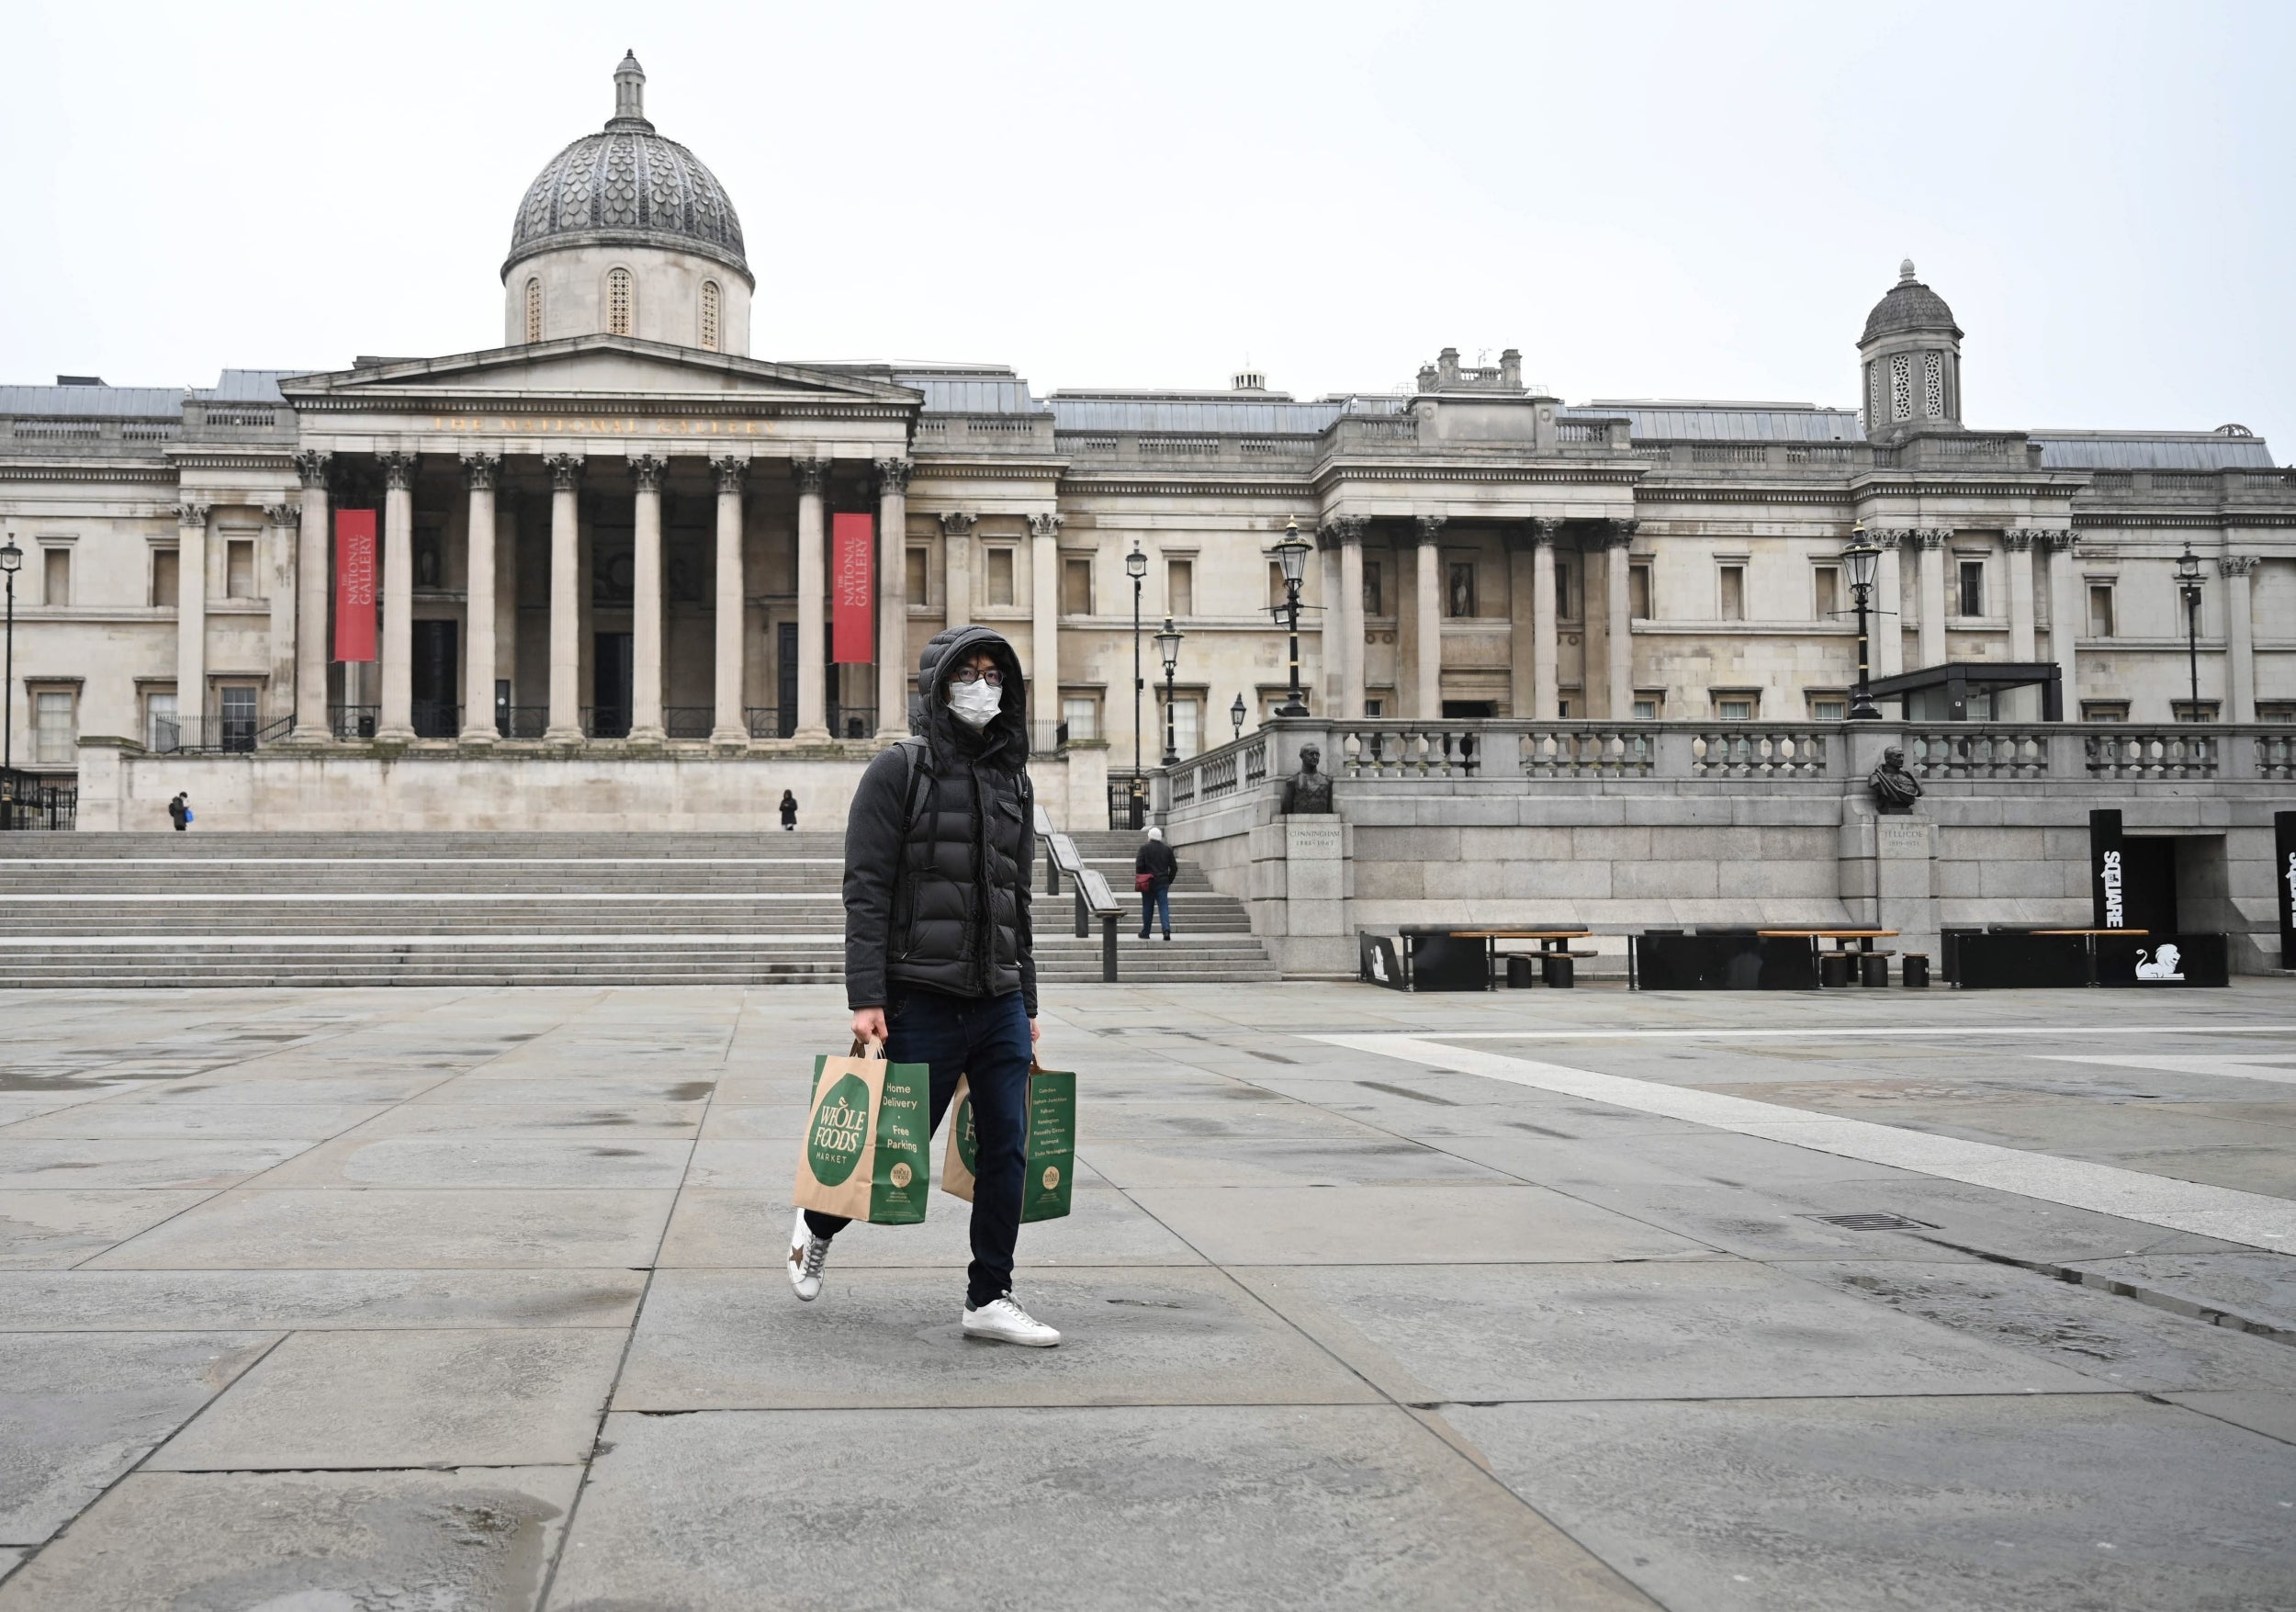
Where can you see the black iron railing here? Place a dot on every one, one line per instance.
(1127, 800)
(605, 721)
(354, 721)
(689, 721)
(763, 721)
(30, 802)
(522, 721)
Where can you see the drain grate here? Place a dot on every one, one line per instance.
(1875, 1221)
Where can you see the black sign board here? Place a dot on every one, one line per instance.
(1990, 962)
(1377, 963)
(2108, 884)
(2163, 962)
(2284, 882)
(1726, 963)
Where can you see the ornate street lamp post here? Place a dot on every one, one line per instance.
(11, 561)
(1168, 646)
(1236, 714)
(1136, 568)
(2189, 584)
(1291, 554)
(1862, 559)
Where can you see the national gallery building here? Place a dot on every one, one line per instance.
(616, 545)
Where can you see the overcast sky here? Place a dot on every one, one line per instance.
(1656, 200)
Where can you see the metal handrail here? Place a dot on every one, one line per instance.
(1093, 897)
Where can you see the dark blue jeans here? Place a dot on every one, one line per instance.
(1156, 898)
(986, 1039)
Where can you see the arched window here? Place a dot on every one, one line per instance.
(619, 298)
(533, 310)
(709, 316)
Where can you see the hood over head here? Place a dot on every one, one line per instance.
(1005, 741)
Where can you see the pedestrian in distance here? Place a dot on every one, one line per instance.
(789, 809)
(940, 955)
(179, 812)
(1153, 871)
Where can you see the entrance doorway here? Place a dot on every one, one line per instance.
(436, 714)
(785, 682)
(2148, 884)
(610, 663)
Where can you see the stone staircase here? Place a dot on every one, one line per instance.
(510, 909)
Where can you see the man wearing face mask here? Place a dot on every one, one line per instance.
(939, 952)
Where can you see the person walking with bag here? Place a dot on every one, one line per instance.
(940, 954)
(1153, 871)
(179, 812)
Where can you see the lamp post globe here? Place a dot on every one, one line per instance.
(1236, 715)
(1168, 647)
(1861, 561)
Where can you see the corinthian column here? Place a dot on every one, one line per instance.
(2240, 659)
(892, 598)
(310, 611)
(1522, 692)
(1933, 579)
(1428, 696)
(1618, 631)
(1044, 654)
(191, 622)
(565, 598)
(1328, 622)
(727, 725)
(1349, 609)
(284, 518)
(478, 693)
(956, 565)
(1546, 696)
(2066, 609)
(646, 720)
(813, 582)
(398, 717)
(2018, 542)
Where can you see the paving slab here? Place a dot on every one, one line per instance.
(155, 1163)
(394, 1229)
(2020, 1505)
(739, 1339)
(479, 1160)
(1096, 1510)
(1474, 1222)
(2114, 1339)
(553, 1085)
(185, 1300)
(338, 1400)
(472, 1541)
(77, 1411)
(770, 1166)
(713, 1226)
(1276, 1163)
(2260, 1410)
(2248, 1282)
(46, 1229)
(1695, 1329)
(591, 1121)
(111, 1121)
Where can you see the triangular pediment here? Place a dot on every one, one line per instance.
(599, 368)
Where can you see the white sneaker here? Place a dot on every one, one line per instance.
(1002, 1320)
(807, 1255)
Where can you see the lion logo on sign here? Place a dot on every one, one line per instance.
(2166, 964)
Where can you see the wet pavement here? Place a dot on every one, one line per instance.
(349, 1301)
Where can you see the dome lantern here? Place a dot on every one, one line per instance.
(1911, 359)
(629, 96)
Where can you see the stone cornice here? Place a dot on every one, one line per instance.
(19, 471)
(2197, 519)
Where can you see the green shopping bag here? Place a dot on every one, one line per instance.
(863, 1153)
(1050, 1175)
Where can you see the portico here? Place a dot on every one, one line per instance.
(604, 538)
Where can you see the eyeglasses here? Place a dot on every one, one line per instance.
(994, 678)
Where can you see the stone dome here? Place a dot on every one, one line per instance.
(1909, 306)
(627, 186)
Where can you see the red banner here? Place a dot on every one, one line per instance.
(853, 588)
(354, 584)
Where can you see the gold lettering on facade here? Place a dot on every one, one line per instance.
(597, 426)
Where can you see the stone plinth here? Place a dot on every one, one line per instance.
(1300, 890)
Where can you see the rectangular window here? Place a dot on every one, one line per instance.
(1080, 714)
(1649, 707)
(1562, 708)
(2276, 711)
(1374, 601)
(1179, 587)
(999, 562)
(238, 711)
(159, 722)
(239, 569)
(1972, 599)
(2186, 711)
(1733, 593)
(1566, 590)
(55, 583)
(1186, 726)
(163, 573)
(1638, 591)
(1829, 709)
(54, 734)
(1826, 588)
(1374, 707)
(1077, 587)
(2104, 710)
(1276, 593)
(2100, 616)
(1734, 707)
(920, 577)
(1461, 602)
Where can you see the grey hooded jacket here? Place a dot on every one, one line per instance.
(939, 843)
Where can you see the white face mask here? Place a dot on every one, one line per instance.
(975, 703)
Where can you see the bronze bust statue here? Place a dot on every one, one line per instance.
(1895, 789)
(1308, 790)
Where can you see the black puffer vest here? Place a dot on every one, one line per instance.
(939, 845)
